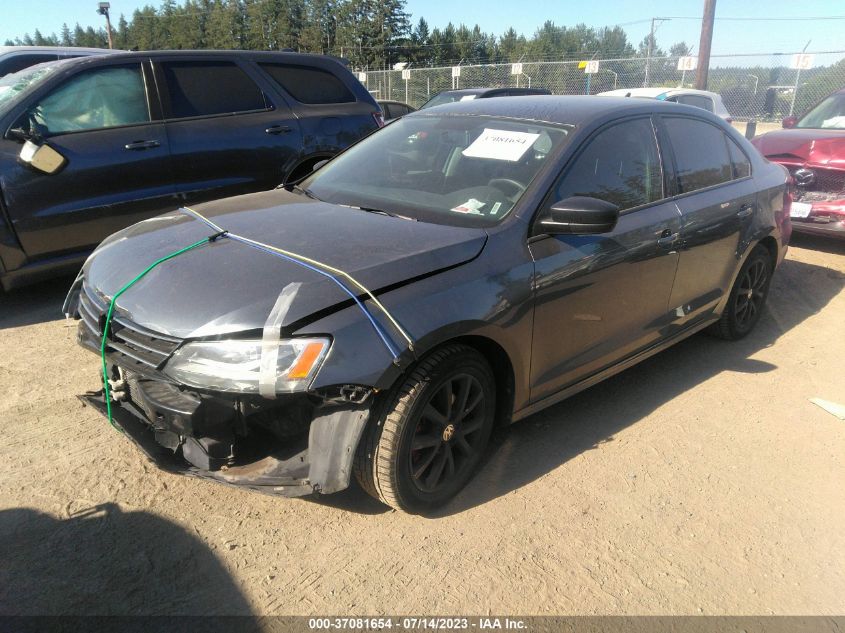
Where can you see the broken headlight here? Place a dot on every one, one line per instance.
(249, 366)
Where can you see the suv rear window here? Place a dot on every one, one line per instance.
(309, 85)
(206, 88)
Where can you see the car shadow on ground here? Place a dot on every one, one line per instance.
(835, 246)
(34, 304)
(531, 448)
(103, 561)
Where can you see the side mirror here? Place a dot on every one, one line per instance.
(789, 122)
(42, 157)
(579, 215)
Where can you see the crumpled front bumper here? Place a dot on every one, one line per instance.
(323, 466)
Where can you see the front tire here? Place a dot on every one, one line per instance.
(430, 434)
(747, 298)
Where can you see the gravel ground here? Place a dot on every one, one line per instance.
(701, 481)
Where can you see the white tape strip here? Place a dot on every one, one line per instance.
(268, 364)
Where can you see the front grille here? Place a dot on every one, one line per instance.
(135, 346)
(824, 181)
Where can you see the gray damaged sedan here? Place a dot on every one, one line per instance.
(462, 268)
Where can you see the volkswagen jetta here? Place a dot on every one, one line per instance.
(463, 267)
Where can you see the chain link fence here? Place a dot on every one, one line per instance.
(753, 87)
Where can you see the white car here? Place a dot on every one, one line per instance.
(710, 101)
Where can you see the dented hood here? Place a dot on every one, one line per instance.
(822, 148)
(228, 286)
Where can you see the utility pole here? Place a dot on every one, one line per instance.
(103, 9)
(704, 44)
(650, 50)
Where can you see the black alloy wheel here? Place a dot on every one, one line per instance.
(430, 432)
(747, 298)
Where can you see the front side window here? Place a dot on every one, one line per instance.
(829, 114)
(620, 165)
(209, 88)
(18, 62)
(95, 99)
(14, 85)
(701, 153)
(458, 170)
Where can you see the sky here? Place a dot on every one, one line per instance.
(786, 34)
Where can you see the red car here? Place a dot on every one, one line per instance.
(813, 150)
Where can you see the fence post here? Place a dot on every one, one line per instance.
(751, 129)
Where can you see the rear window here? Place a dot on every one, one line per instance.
(741, 164)
(700, 152)
(206, 88)
(311, 85)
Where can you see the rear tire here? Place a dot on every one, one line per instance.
(429, 435)
(747, 298)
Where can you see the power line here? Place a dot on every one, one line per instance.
(758, 19)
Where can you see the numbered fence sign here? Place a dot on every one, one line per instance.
(591, 67)
(687, 63)
(456, 71)
(802, 61)
(406, 74)
(362, 77)
(516, 69)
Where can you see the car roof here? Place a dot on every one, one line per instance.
(311, 59)
(59, 50)
(569, 110)
(655, 92)
(479, 91)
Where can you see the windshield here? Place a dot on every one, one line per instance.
(13, 85)
(830, 114)
(460, 170)
(447, 97)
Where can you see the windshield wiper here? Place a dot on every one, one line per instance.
(383, 212)
(305, 192)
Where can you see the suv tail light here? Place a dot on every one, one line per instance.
(379, 117)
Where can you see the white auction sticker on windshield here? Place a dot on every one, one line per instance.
(501, 145)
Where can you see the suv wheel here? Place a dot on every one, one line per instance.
(431, 432)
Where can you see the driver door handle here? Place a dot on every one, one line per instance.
(278, 129)
(139, 145)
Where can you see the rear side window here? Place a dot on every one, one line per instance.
(701, 153)
(309, 85)
(740, 162)
(207, 88)
(620, 165)
(706, 103)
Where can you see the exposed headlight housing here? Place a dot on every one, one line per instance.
(249, 366)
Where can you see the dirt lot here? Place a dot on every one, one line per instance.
(702, 481)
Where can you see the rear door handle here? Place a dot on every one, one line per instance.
(278, 129)
(138, 145)
(745, 210)
(667, 239)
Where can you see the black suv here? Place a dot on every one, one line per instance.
(92, 145)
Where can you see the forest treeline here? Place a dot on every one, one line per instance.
(370, 33)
